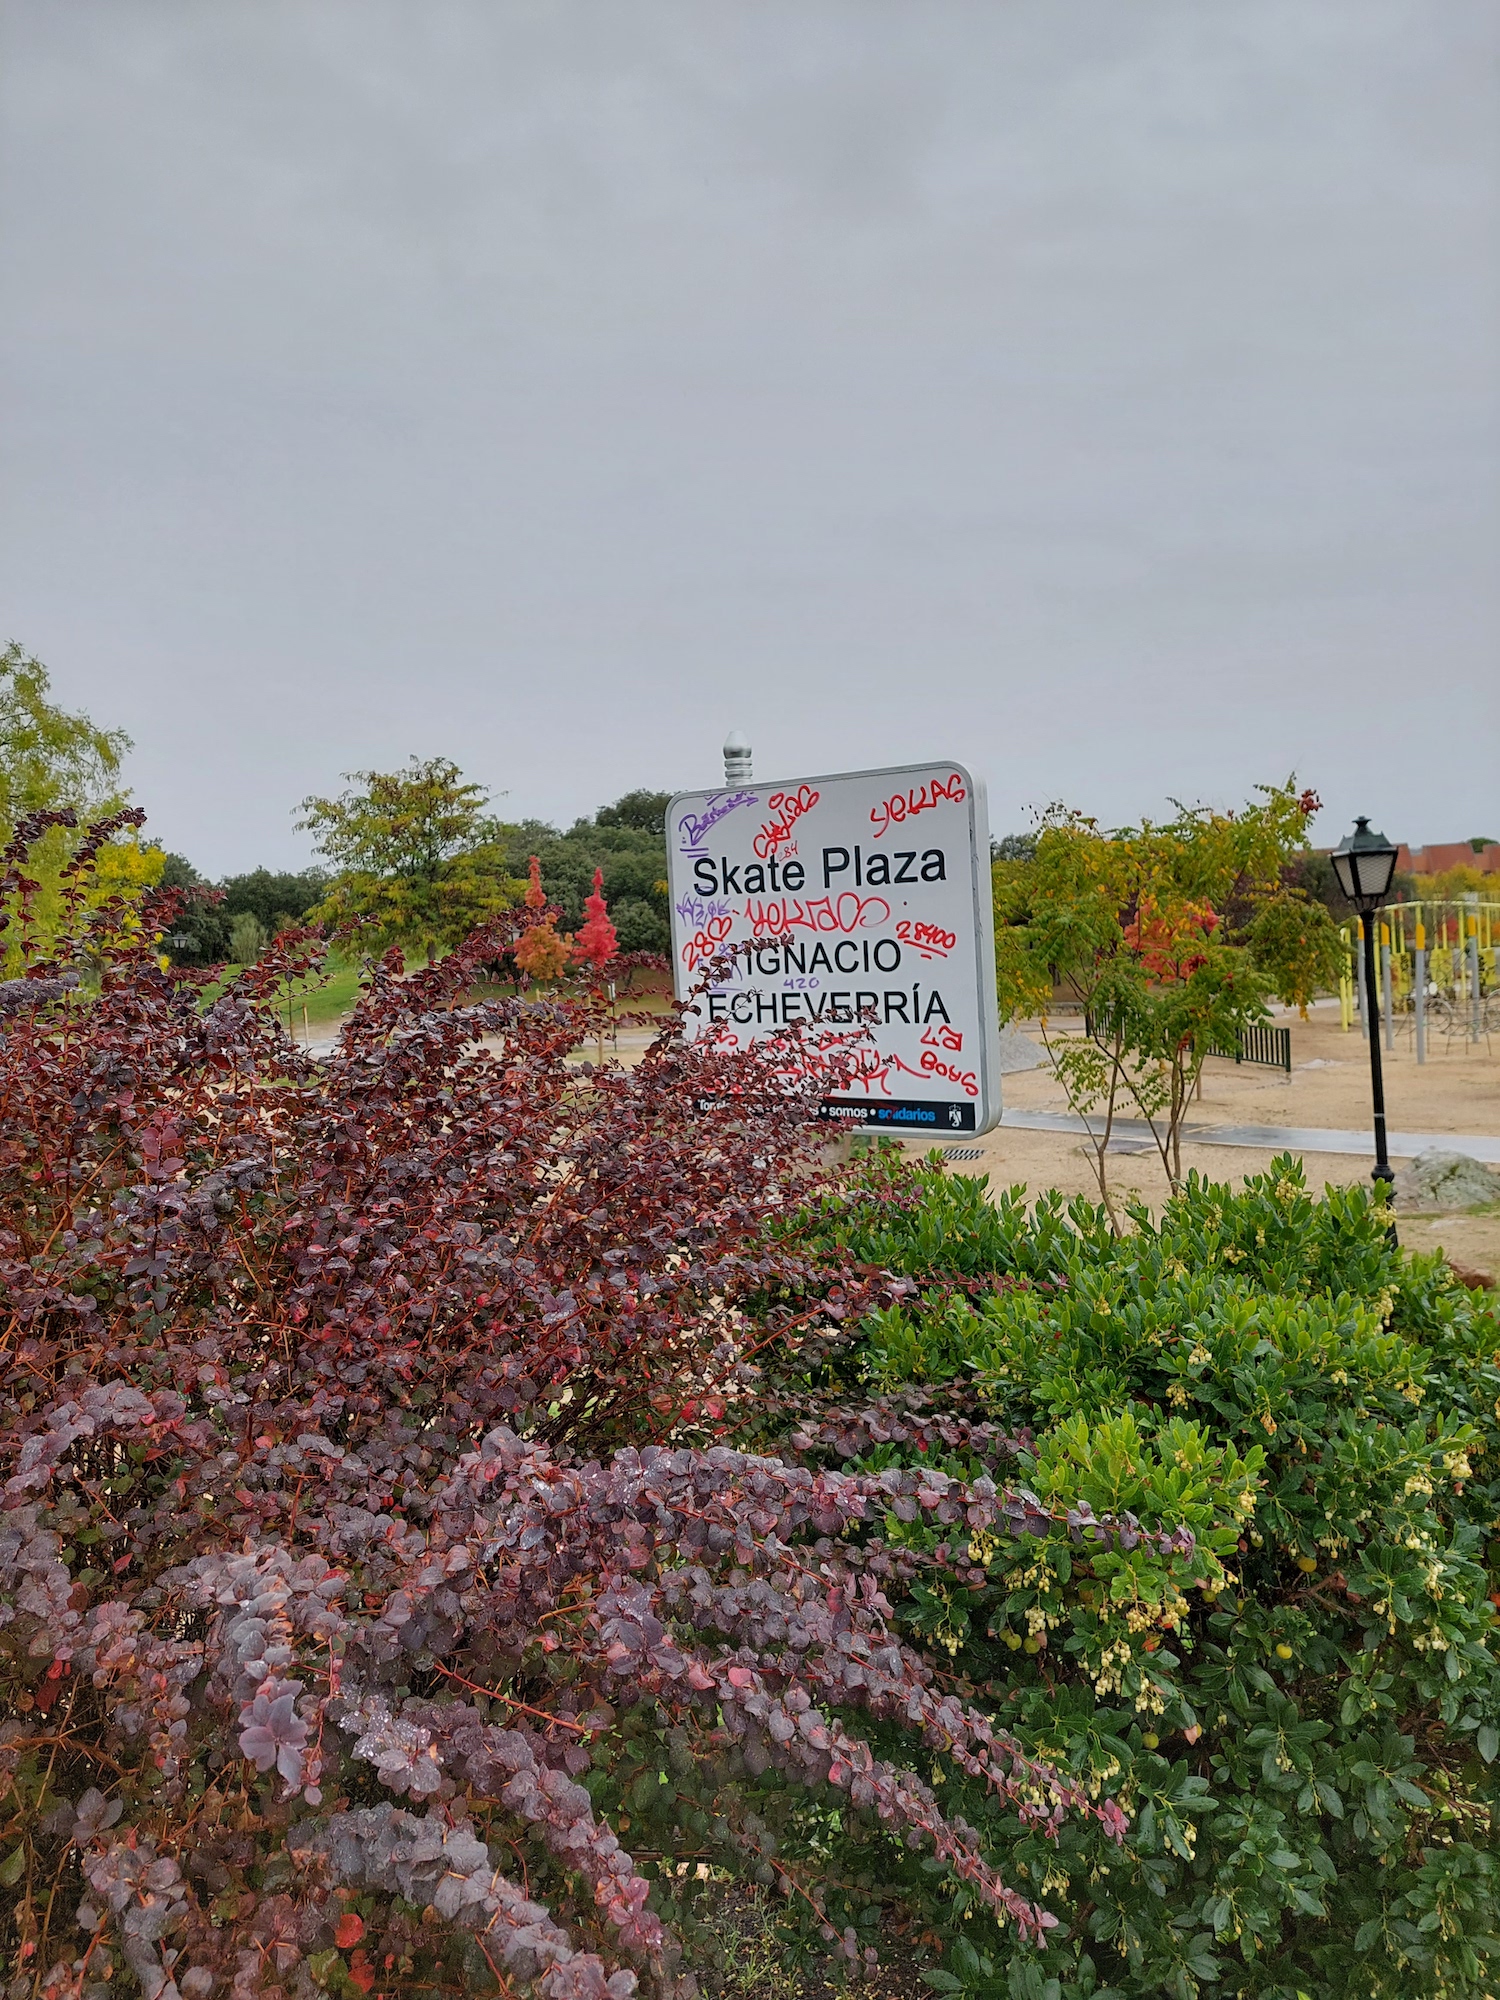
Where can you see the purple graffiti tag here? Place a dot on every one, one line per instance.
(698, 911)
(696, 827)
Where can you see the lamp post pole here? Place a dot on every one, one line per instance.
(1382, 1168)
(1364, 865)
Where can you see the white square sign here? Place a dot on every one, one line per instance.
(865, 895)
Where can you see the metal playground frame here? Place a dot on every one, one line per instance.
(1439, 973)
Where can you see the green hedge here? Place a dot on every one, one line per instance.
(1303, 1715)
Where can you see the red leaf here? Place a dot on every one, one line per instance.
(351, 1929)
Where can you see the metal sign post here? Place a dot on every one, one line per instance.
(862, 897)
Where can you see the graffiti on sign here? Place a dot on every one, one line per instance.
(809, 915)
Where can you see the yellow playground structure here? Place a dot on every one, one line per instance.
(1439, 974)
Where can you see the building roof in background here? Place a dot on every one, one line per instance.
(1456, 854)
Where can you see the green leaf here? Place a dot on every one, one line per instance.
(1201, 1962)
(13, 1867)
(968, 1959)
(943, 1982)
(1487, 1742)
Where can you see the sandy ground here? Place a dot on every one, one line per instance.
(1456, 1090)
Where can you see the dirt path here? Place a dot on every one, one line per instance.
(1456, 1090)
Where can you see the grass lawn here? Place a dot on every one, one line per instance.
(327, 999)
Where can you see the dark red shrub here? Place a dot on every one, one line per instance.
(358, 1419)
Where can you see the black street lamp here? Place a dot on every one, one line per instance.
(1364, 863)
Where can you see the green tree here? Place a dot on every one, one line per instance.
(52, 760)
(200, 932)
(1014, 847)
(275, 898)
(247, 940)
(179, 873)
(419, 858)
(641, 811)
(1296, 942)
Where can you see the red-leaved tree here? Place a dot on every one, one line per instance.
(596, 944)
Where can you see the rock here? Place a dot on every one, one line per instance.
(1440, 1179)
(1477, 1281)
(1018, 1051)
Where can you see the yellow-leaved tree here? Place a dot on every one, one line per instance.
(55, 761)
(419, 859)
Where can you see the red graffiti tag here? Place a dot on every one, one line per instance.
(931, 940)
(875, 1071)
(786, 809)
(819, 913)
(878, 1070)
(943, 1038)
(933, 1063)
(707, 942)
(906, 805)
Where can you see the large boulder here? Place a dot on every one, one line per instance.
(1440, 1179)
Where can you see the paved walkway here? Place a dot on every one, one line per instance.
(1134, 1134)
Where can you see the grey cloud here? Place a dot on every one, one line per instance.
(1106, 394)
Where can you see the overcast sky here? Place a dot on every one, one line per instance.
(1103, 392)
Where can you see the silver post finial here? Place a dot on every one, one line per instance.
(736, 758)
